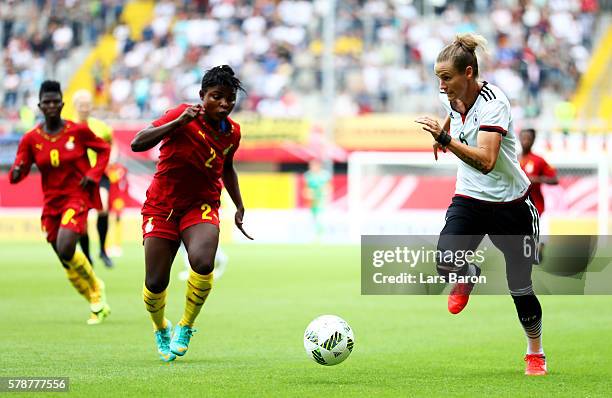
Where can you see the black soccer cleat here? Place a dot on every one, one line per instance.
(108, 263)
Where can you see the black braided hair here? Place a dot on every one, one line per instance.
(222, 75)
(49, 86)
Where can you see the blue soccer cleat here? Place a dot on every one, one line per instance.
(162, 339)
(180, 339)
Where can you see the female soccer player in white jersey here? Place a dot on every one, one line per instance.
(491, 194)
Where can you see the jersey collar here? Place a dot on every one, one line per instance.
(52, 137)
(226, 128)
(484, 83)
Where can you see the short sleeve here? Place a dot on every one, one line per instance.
(170, 115)
(238, 135)
(23, 159)
(548, 170)
(97, 144)
(495, 117)
(236, 139)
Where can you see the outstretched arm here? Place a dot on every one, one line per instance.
(230, 180)
(23, 162)
(548, 176)
(544, 180)
(102, 149)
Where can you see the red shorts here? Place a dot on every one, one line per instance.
(73, 217)
(169, 225)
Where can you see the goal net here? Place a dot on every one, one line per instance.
(407, 193)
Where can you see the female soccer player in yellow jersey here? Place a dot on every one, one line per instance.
(83, 104)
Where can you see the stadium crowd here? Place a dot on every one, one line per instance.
(38, 35)
(384, 51)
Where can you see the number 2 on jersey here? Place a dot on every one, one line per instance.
(205, 210)
(212, 157)
(54, 156)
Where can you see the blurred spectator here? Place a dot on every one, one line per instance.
(11, 83)
(565, 112)
(37, 36)
(384, 51)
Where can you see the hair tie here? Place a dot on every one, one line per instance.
(226, 68)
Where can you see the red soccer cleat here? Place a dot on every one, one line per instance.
(459, 296)
(536, 365)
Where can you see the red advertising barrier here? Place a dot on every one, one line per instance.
(28, 193)
(573, 195)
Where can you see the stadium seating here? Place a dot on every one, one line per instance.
(384, 52)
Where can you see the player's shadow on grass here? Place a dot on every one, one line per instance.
(323, 379)
(215, 363)
(513, 371)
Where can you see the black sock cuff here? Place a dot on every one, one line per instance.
(529, 312)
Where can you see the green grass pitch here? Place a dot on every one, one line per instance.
(249, 341)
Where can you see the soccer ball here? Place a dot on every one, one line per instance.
(328, 340)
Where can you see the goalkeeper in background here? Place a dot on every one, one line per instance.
(82, 100)
(316, 189)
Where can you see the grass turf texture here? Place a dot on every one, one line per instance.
(250, 333)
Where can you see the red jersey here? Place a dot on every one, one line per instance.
(535, 166)
(62, 161)
(191, 163)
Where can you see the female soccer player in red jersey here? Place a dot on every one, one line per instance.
(537, 169)
(197, 151)
(59, 148)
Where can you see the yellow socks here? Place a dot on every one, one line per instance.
(155, 304)
(81, 266)
(79, 283)
(198, 288)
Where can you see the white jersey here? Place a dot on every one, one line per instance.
(490, 112)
